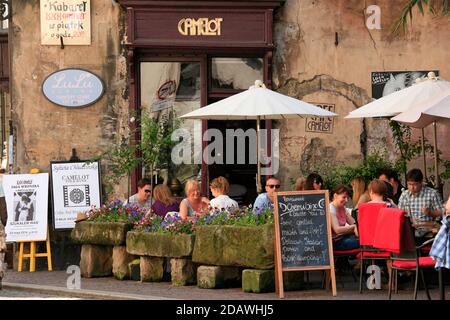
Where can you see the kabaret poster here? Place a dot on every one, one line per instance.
(75, 188)
(27, 204)
(69, 20)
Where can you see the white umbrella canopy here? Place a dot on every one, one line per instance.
(432, 111)
(257, 103)
(403, 100)
(421, 116)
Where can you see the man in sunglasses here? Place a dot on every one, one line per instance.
(143, 197)
(266, 200)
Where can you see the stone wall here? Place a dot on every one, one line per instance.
(310, 66)
(44, 130)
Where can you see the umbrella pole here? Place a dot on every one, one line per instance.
(436, 169)
(424, 155)
(258, 165)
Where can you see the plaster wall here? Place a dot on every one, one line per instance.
(45, 131)
(310, 65)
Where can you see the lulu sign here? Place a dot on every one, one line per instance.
(73, 88)
(200, 26)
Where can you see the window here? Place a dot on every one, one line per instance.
(236, 73)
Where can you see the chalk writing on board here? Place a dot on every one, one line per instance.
(303, 230)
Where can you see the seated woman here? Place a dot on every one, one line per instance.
(194, 203)
(219, 189)
(342, 223)
(313, 182)
(164, 201)
(300, 184)
(360, 193)
(378, 193)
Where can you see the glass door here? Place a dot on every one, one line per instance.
(169, 89)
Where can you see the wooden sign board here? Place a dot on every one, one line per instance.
(302, 234)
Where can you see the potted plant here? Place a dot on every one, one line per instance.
(102, 235)
(159, 241)
(235, 237)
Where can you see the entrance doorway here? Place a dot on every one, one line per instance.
(183, 84)
(240, 174)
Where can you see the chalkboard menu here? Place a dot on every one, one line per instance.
(303, 232)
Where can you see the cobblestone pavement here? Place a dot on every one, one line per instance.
(54, 283)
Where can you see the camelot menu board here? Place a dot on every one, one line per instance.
(76, 187)
(303, 233)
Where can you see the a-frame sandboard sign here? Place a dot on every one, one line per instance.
(302, 235)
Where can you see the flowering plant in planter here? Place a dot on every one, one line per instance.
(243, 216)
(116, 211)
(172, 224)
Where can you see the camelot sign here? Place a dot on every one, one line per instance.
(73, 88)
(200, 27)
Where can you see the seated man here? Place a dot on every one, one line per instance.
(423, 203)
(143, 197)
(267, 199)
(391, 176)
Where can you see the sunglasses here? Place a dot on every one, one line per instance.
(271, 186)
(147, 191)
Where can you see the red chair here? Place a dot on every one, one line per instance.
(394, 233)
(367, 221)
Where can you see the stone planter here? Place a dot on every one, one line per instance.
(101, 233)
(103, 249)
(160, 244)
(238, 246)
(156, 248)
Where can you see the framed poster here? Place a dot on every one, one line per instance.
(26, 198)
(386, 82)
(75, 188)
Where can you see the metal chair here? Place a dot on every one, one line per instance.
(394, 233)
(367, 219)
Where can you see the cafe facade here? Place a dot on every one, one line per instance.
(164, 56)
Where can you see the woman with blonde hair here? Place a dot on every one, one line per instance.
(219, 189)
(164, 201)
(194, 203)
(360, 193)
(300, 184)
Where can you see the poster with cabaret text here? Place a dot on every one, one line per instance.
(27, 206)
(67, 19)
(75, 188)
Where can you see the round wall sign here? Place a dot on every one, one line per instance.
(73, 88)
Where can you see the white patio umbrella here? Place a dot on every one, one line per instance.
(403, 100)
(258, 103)
(432, 111)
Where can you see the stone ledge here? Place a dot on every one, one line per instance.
(238, 246)
(160, 244)
(100, 233)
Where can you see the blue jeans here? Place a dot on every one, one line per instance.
(347, 242)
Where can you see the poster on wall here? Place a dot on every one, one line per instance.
(68, 19)
(321, 124)
(75, 188)
(386, 82)
(27, 204)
